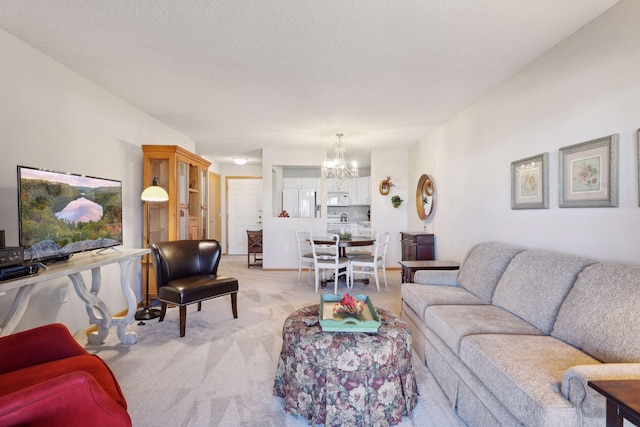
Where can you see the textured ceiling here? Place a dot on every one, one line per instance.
(238, 75)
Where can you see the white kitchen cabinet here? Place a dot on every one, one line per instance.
(362, 194)
(301, 183)
(345, 185)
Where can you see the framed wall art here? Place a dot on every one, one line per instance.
(588, 174)
(530, 182)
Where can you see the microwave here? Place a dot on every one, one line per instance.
(337, 199)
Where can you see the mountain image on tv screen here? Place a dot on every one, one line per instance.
(61, 214)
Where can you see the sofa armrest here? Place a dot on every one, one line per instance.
(73, 399)
(36, 346)
(436, 277)
(589, 403)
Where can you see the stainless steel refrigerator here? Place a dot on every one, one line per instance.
(299, 203)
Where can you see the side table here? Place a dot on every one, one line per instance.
(346, 378)
(409, 268)
(623, 400)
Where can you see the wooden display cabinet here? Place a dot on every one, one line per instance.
(184, 176)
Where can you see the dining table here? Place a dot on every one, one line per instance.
(344, 243)
(342, 249)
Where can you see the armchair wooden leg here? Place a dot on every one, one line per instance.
(234, 304)
(199, 305)
(183, 319)
(163, 310)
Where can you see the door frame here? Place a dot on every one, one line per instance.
(215, 205)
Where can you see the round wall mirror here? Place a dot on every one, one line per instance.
(425, 196)
(385, 186)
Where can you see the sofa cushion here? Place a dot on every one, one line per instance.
(419, 297)
(591, 316)
(454, 322)
(436, 277)
(535, 284)
(525, 372)
(91, 364)
(483, 266)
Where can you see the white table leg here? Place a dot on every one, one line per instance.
(132, 304)
(18, 308)
(104, 321)
(93, 304)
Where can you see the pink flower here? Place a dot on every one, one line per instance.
(349, 304)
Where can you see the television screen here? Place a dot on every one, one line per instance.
(62, 213)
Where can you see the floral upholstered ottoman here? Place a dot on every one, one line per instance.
(346, 379)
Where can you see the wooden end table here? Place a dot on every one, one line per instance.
(623, 400)
(409, 268)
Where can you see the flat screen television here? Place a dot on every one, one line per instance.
(63, 213)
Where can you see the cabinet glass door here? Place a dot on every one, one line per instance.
(183, 183)
(158, 212)
(183, 224)
(183, 198)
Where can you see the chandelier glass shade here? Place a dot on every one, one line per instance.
(338, 167)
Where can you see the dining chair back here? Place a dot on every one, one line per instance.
(362, 231)
(370, 264)
(305, 255)
(326, 256)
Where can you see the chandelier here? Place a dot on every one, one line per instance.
(338, 167)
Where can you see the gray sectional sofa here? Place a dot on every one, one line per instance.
(513, 336)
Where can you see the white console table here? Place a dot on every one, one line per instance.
(73, 268)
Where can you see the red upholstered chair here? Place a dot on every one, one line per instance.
(48, 379)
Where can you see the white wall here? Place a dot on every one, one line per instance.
(279, 240)
(586, 87)
(384, 217)
(53, 118)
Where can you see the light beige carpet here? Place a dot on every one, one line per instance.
(221, 373)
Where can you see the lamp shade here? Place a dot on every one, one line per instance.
(154, 193)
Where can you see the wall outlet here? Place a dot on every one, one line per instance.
(63, 296)
(286, 248)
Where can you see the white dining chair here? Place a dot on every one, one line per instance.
(305, 255)
(361, 231)
(370, 264)
(326, 256)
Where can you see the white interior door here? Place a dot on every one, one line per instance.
(244, 207)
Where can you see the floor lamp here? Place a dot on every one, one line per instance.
(151, 194)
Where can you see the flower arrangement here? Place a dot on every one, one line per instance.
(396, 201)
(283, 214)
(349, 305)
(387, 182)
(344, 235)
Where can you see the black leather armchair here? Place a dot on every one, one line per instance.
(187, 272)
